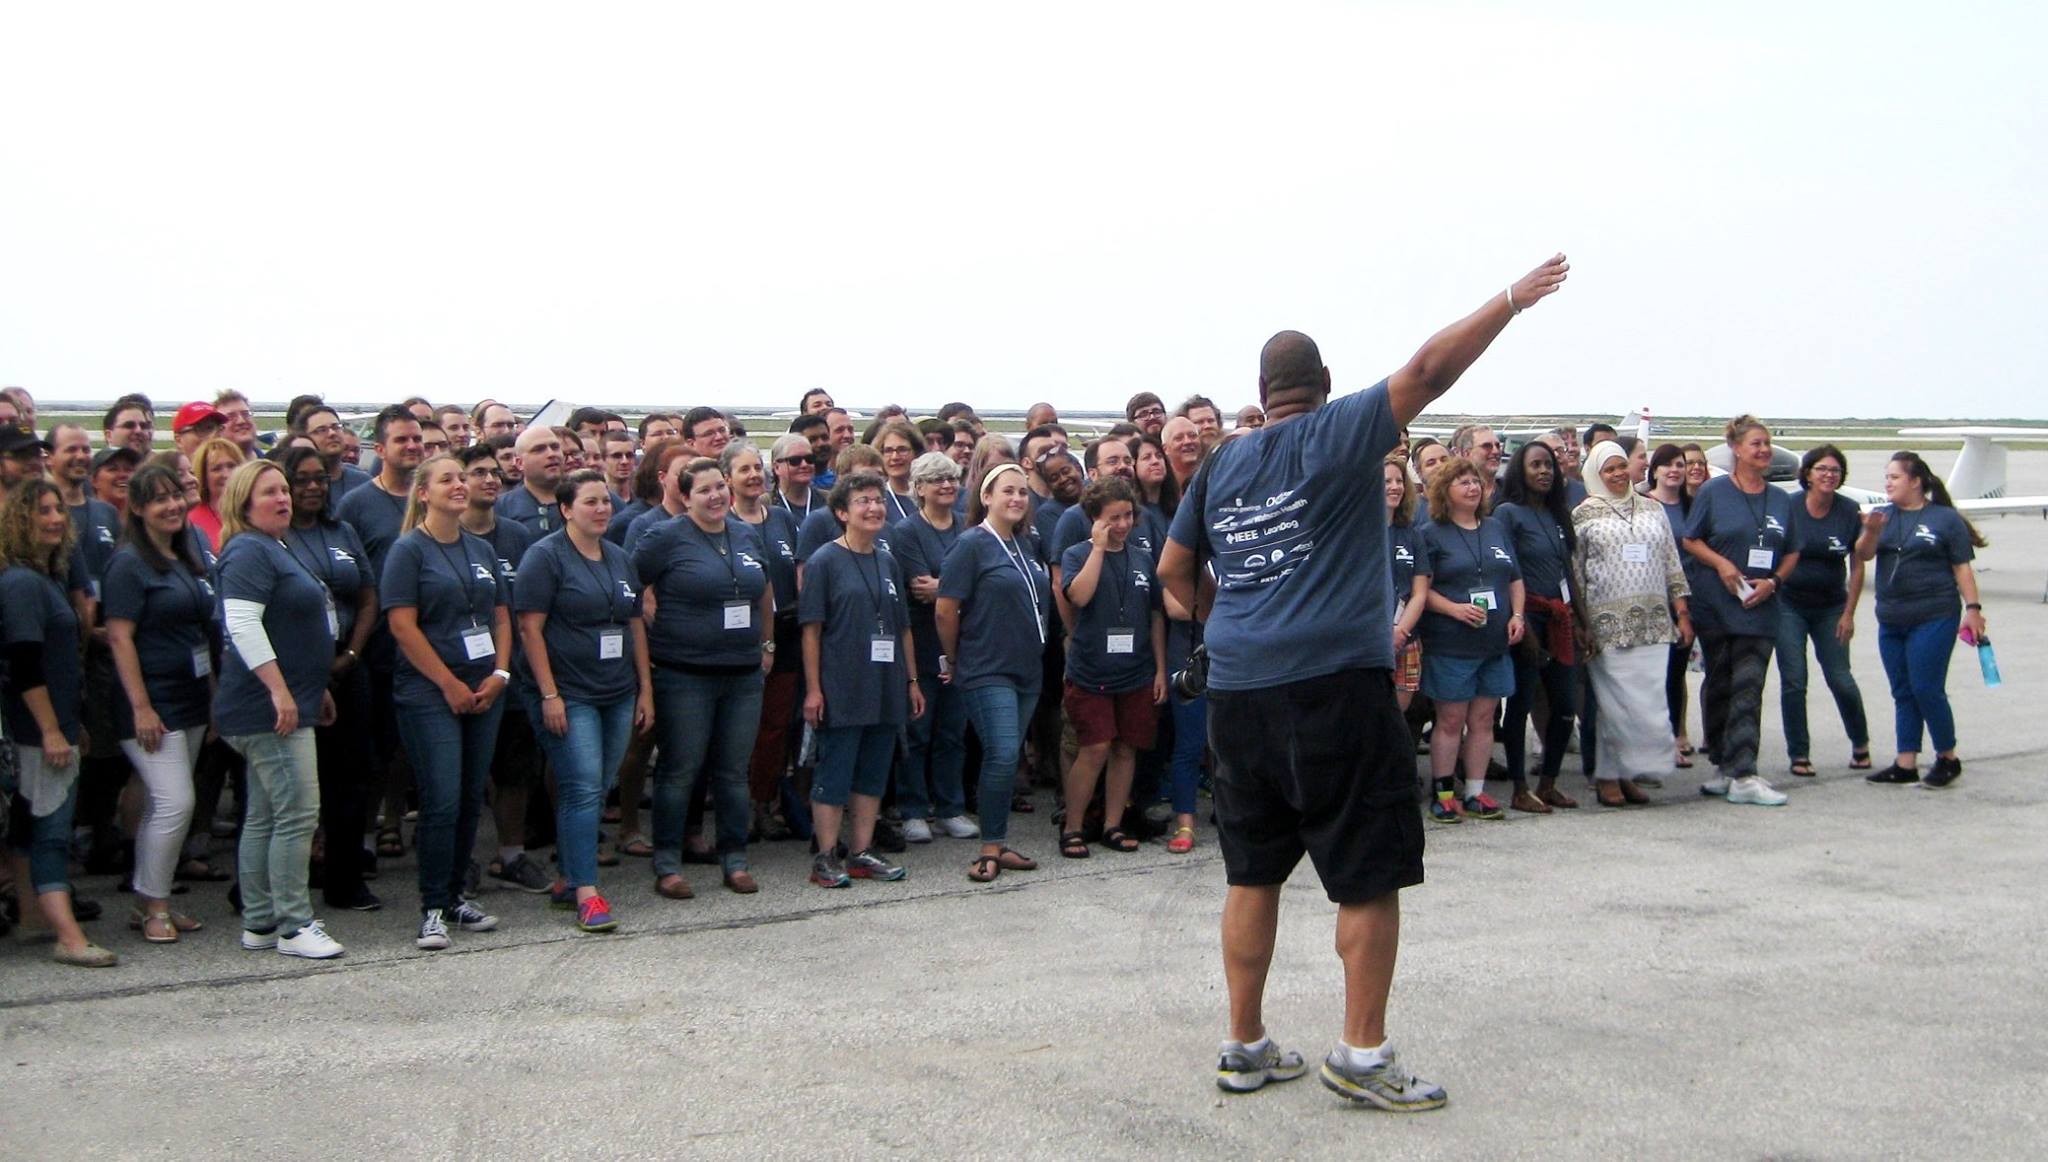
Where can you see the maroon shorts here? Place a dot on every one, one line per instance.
(1099, 718)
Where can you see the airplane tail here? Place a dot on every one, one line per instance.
(1979, 471)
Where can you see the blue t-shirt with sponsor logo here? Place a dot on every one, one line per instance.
(1917, 555)
(1753, 531)
(1407, 557)
(334, 554)
(1464, 565)
(98, 528)
(1004, 592)
(696, 576)
(172, 612)
(255, 568)
(1820, 579)
(456, 589)
(1148, 533)
(590, 607)
(1110, 648)
(857, 597)
(1295, 523)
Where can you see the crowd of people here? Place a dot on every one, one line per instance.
(864, 637)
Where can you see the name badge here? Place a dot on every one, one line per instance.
(477, 642)
(92, 589)
(881, 648)
(1635, 553)
(333, 617)
(1762, 558)
(611, 643)
(202, 662)
(1123, 641)
(1564, 590)
(1484, 599)
(739, 615)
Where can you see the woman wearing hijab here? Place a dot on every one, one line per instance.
(1629, 583)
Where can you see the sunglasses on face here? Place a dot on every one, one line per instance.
(794, 461)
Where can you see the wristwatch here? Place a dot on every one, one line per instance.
(768, 645)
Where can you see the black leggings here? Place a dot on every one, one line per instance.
(1732, 698)
(1674, 686)
(1560, 687)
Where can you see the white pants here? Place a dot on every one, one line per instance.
(161, 836)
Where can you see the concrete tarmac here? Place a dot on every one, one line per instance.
(1854, 975)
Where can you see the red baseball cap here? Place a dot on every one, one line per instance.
(196, 413)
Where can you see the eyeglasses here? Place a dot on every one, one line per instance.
(485, 474)
(1142, 413)
(324, 430)
(1824, 470)
(794, 461)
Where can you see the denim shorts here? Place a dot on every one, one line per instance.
(1449, 679)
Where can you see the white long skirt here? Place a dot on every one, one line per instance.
(1635, 722)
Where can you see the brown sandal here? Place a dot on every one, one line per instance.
(1631, 792)
(675, 888)
(1558, 799)
(1610, 794)
(1016, 860)
(984, 869)
(1527, 802)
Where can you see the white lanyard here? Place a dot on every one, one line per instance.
(1016, 559)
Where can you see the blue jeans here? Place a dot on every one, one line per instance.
(1190, 739)
(45, 839)
(1000, 714)
(1916, 660)
(707, 725)
(272, 860)
(451, 765)
(935, 755)
(853, 760)
(586, 762)
(1797, 626)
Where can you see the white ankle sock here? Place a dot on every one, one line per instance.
(1475, 788)
(1358, 1058)
(507, 854)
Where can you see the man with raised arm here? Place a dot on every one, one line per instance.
(1312, 754)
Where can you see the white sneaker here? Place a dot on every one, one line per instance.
(958, 827)
(433, 935)
(259, 941)
(1753, 789)
(1718, 785)
(311, 942)
(916, 831)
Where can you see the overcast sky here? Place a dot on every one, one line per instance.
(1796, 209)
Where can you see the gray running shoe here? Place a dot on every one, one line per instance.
(1238, 1071)
(524, 873)
(866, 865)
(1385, 1085)
(828, 872)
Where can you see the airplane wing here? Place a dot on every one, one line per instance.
(2003, 506)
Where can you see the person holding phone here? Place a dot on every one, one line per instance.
(1923, 548)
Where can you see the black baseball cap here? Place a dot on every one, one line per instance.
(104, 456)
(15, 439)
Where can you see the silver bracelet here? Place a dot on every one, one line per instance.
(1512, 308)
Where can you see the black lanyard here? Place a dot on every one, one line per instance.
(1121, 582)
(604, 578)
(1760, 512)
(1477, 535)
(463, 576)
(724, 552)
(325, 574)
(874, 588)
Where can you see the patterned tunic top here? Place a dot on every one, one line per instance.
(1626, 572)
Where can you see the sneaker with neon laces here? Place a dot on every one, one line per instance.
(1242, 1069)
(866, 865)
(311, 941)
(467, 917)
(1753, 790)
(1445, 809)
(594, 915)
(828, 872)
(1718, 785)
(1385, 1085)
(1483, 806)
(433, 935)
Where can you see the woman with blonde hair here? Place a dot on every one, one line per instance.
(1738, 538)
(446, 600)
(213, 462)
(280, 626)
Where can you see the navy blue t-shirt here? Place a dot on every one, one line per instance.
(1004, 591)
(590, 607)
(1463, 562)
(1538, 546)
(1295, 520)
(173, 613)
(800, 512)
(1407, 556)
(1046, 514)
(98, 528)
(1917, 555)
(521, 506)
(822, 528)
(1147, 535)
(509, 542)
(1820, 579)
(1126, 595)
(622, 520)
(35, 609)
(693, 582)
(351, 479)
(778, 534)
(333, 553)
(649, 519)
(1733, 523)
(920, 551)
(376, 515)
(255, 568)
(857, 596)
(456, 589)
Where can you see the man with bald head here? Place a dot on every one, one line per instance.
(1312, 755)
(532, 503)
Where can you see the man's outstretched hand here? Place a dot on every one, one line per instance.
(1540, 283)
